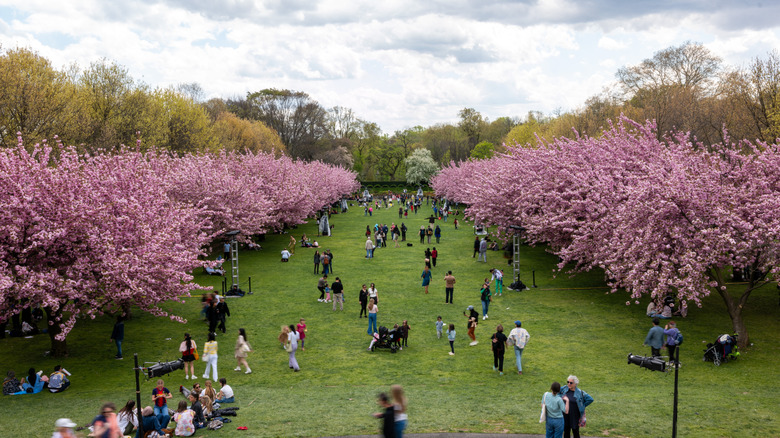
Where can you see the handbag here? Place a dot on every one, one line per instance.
(195, 353)
(288, 347)
(206, 357)
(583, 420)
(543, 415)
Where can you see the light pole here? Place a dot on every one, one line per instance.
(658, 364)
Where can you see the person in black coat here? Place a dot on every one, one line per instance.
(387, 416)
(403, 232)
(222, 313)
(118, 335)
(498, 346)
(212, 316)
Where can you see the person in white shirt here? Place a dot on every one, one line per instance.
(518, 337)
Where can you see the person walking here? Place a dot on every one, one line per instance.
(434, 255)
(555, 407)
(472, 324)
(476, 247)
(363, 299)
(292, 340)
(449, 287)
(222, 313)
(484, 296)
(422, 234)
(387, 415)
(437, 233)
(518, 337)
(429, 233)
(118, 335)
(188, 350)
(316, 261)
(210, 349)
(483, 250)
(426, 278)
(369, 248)
(403, 232)
(451, 338)
(399, 406)
(578, 400)
(322, 283)
(655, 338)
(338, 294)
(671, 332)
(372, 311)
(241, 351)
(498, 346)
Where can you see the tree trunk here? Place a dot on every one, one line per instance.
(58, 348)
(735, 312)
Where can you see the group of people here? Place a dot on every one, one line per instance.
(563, 409)
(290, 337)
(655, 338)
(34, 383)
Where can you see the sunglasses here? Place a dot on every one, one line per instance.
(570, 383)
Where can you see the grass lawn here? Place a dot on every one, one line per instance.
(576, 328)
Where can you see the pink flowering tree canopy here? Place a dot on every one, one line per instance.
(670, 217)
(83, 235)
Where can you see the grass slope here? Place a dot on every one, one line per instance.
(576, 328)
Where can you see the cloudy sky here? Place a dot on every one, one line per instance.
(397, 63)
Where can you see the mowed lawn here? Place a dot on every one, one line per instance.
(576, 328)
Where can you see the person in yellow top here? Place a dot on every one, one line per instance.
(210, 357)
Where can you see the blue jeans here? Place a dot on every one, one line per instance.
(232, 400)
(118, 347)
(519, 358)
(372, 323)
(161, 412)
(554, 427)
(369, 253)
(400, 426)
(485, 305)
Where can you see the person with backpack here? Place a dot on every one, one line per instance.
(673, 339)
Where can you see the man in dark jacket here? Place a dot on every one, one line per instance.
(222, 313)
(118, 335)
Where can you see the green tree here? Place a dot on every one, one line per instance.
(420, 167)
(35, 98)
(482, 150)
(446, 142)
(472, 124)
(387, 159)
(240, 135)
(189, 127)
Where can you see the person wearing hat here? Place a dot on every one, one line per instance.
(518, 337)
(64, 428)
(472, 324)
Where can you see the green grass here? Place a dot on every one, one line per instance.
(576, 328)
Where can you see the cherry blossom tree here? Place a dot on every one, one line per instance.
(658, 217)
(81, 236)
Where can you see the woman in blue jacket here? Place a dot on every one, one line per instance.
(576, 414)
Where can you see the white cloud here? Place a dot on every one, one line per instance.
(400, 63)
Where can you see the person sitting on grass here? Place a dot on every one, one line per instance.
(183, 418)
(11, 385)
(58, 382)
(150, 422)
(199, 419)
(225, 395)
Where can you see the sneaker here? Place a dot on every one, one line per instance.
(494, 368)
(484, 317)
(248, 371)
(237, 369)
(500, 373)
(186, 377)
(119, 357)
(452, 354)
(206, 376)
(473, 343)
(520, 373)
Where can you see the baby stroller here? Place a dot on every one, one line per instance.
(386, 339)
(722, 350)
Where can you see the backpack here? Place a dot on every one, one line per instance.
(679, 338)
(214, 425)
